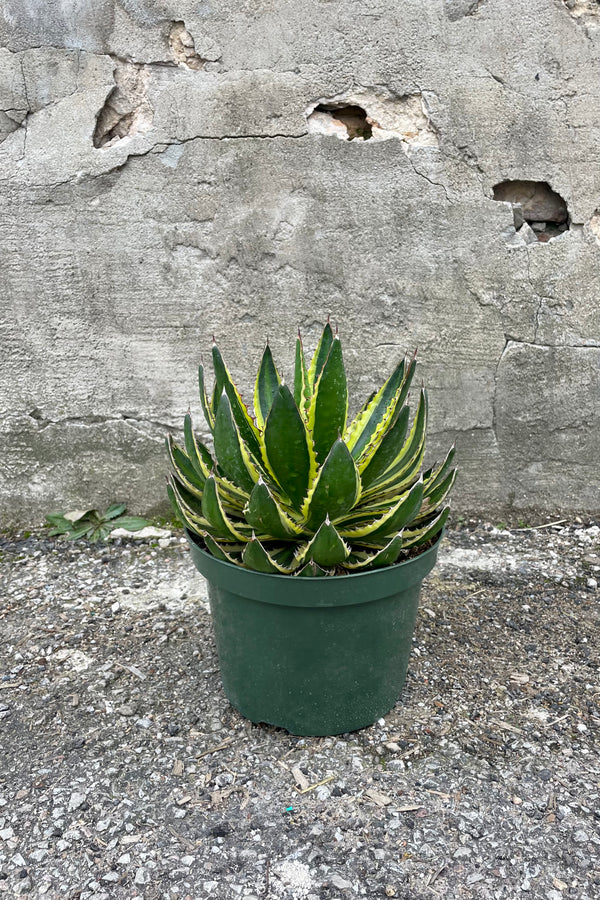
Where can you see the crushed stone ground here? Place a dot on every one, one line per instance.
(124, 772)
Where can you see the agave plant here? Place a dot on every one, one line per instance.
(298, 490)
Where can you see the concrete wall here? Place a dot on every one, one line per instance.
(170, 170)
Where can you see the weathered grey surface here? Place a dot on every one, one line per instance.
(224, 210)
(125, 773)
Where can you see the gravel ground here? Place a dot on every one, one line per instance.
(125, 773)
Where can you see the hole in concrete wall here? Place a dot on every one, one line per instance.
(581, 9)
(127, 110)
(348, 122)
(595, 225)
(539, 212)
(368, 115)
(183, 47)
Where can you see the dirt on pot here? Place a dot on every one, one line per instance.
(125, 773)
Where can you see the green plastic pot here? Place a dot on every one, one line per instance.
(316, 656)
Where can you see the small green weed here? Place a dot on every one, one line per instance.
(91, 524)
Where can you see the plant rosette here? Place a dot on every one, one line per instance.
(314, 534)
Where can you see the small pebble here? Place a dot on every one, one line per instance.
(142, 876)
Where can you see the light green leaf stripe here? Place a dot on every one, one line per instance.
(404, 514)
(231, 493)
(434, 476)
(184, 496)
(382, 408)
(187, 512)
(411, 449)
(421, 535)
(206, 406)
(300, 378)
(389, 449)
(387, 556)
(400, 482)
(184, 469)
(215, 515)
(379, 433)
(392, 521)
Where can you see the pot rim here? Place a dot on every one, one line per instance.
(335, 590)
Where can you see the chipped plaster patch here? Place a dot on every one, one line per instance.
(594, 225)
(580, 8)
(400, 118)
(127, 110)
(183, 47)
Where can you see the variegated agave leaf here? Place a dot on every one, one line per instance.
(296, 490)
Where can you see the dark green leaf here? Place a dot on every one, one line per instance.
(231, 555)
(243, 419)
(419, 536)
(115, 510)
(328, 406)
(300, 377)
(393, 392)
(257, 558)
(335, 490)
(412, 451)
(433, 477)
(320, 355)
(289, 451)
(198, 455)
(442, 489)
(80, 531)
(213, 512)
(327, 547)
(387, 556)
(267, 383)
(266, 516)
(174, 505)
(401, 511)
(186, 497)
(61, 525)
(228, 449)
(130, 523)
(404, 513)
(311, 570)
(183, 467)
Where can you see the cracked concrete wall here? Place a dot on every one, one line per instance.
(214, 207)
